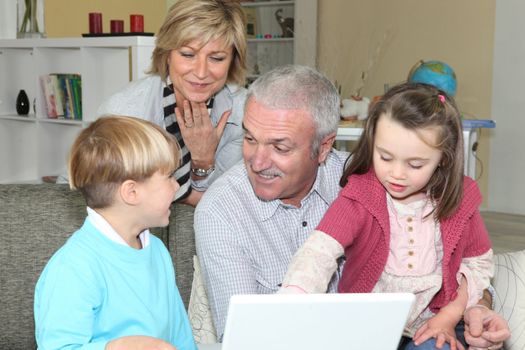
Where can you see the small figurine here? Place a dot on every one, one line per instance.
(355, 108)
(285, 23)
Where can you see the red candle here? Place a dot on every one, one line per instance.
(136, 23)
(116, 25)
(95, 23)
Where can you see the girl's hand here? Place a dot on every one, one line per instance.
(441, 328)
(198, 133)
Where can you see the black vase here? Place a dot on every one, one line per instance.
(22, 103)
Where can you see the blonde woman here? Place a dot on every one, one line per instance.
(194, 89)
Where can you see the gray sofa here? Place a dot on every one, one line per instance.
(35, 220)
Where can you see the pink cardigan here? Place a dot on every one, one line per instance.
(358, 220)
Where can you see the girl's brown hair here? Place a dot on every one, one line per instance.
(419, 106)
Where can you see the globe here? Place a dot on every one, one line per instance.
(436, 73)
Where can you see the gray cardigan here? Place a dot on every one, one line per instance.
(143, 99)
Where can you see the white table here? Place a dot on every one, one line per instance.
(216, 346)
(470, 137)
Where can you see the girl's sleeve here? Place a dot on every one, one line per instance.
(313, 265)
(477, 271)
(477, 264)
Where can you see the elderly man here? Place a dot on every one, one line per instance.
(252, 220)
(261, 212)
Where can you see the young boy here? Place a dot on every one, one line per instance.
(112, 285)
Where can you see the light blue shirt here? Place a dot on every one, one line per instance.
(245, 244)
(94, 290)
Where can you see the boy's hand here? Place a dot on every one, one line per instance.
(139, 342)
(440, 327)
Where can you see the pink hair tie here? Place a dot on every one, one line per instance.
(441, 98)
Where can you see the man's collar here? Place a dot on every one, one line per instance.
(322, 185)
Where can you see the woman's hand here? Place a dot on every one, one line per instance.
(440, 327)
(199, 135)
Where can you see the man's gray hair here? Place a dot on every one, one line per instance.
(304, 88)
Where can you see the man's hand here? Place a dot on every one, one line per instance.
(484, 328)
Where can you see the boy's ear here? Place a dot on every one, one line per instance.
(128, 191)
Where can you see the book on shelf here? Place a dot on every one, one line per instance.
(50, 95)
(76, 83)
(251, 21)
(63, 95)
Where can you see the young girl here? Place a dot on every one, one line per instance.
(112, 284)
(407, 219)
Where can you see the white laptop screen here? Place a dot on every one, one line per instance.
(316, 321)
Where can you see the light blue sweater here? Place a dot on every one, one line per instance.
(94, 290)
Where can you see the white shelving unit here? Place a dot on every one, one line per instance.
(265, 54)
(33, 146)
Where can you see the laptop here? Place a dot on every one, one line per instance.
(315, 321)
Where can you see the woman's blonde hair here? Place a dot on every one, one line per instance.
(204, 21)
(114, 149)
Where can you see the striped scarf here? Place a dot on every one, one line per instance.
(170, 121)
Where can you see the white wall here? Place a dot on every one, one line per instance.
(507, 150)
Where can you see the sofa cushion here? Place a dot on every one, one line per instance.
(181, 244)
(509, 283)
(35, 221)
(199, 311)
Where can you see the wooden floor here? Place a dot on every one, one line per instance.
(506, 231)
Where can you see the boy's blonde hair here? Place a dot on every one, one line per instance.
(114, 149)
(204, 21)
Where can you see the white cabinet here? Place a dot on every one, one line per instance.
(33, 146)
(265, 52)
